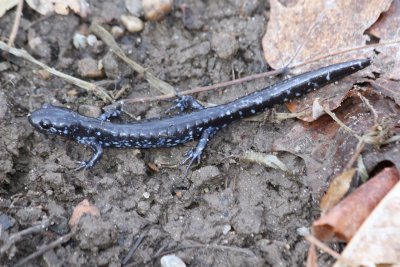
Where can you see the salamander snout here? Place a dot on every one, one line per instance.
(50, 119)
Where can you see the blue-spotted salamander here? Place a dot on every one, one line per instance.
(202, 123)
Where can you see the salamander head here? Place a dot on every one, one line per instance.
(50, 119)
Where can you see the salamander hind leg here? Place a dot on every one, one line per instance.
(185, 102)
(98, 152)
(195, 153)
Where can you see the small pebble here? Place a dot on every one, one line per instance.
(90, 68)
(91, 40)
(143, 207)
(171, 261)
(117, 32)
(90, 111)
(226, 229)
(303, 231)
(134, 7)
(146, 195)
(79, 41)
(132, 23)
(157, 9)
(225, 45)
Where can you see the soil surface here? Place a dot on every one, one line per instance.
(224, 213)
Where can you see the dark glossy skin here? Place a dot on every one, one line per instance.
(170, 131)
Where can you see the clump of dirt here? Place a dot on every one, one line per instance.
(223, 213)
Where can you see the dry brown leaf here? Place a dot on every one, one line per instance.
(386, 28)
(377, 242)
(344, 219)
(311, 29)
(337, 189)
(6, 5)
(46, 7)
(84, 207)
(388, 88)
(317, 27)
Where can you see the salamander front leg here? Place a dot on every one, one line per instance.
(111, 113)
(185, 102)
(195, 153)
(98, 152)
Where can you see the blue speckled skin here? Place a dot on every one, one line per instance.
(170, 131)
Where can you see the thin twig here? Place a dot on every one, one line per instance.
(201, 89)
(63, 239)
(255, 76)
(100, 91)
(330, 251)
(133, 249)
(338, 121)
(160, 85)
(17, 20)
(18, 236)
(366, 102)
(345, 51)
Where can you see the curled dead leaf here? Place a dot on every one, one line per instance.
(344, 219)
(377, 241)
(337, 189)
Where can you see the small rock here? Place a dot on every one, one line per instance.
(27, 215)
(95, 234)
(79, 40)
(249, 6)
(171, 261)
(225, 45)
(91, 40)
(143, 207)
(117, 31)
(6, 222)
(191, 20)
(146, 195)
(303, 231)
(90, 111)
(89, 68)
(157, 9)
(134, 7)
(4, 66)
(132, 23)
(226, 229)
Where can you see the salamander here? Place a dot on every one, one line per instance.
(201, 123)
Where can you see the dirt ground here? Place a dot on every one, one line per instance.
(224, 213)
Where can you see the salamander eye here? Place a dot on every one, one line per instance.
(45, 124)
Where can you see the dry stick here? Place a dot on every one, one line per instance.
(201, 89)
(18, 236)
(330, 251)
(345, 51)
(14, 30)
(256, 76)
(101, 92)
(380, 87)
(133, 249)
(160, 85)
(45, 248)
